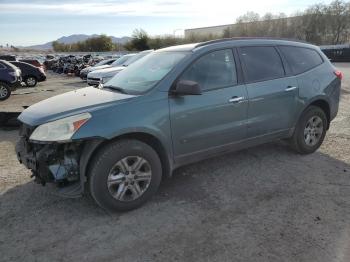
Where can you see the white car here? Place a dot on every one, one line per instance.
(101, 76)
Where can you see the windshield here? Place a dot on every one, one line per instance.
(137, 57)
(103, 62)
(146, 72)
(122, 60)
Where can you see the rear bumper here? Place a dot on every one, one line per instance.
(42, 78)
(334, 98)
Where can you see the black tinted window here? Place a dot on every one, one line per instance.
(261, 63)
(301, 59)
(214, 70)
(2, 66)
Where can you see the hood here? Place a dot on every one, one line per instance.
(75, 102)
(106, 71)
(93, 68)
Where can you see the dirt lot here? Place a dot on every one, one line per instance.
(24, 97)
(261, 204)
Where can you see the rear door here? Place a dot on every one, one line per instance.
(215, 118)
(272, 95)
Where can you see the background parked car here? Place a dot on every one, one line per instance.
(33, 62)
(10, 79)
(103, 64)
(337, 53)
(8, 57)
(102, 76)
(31, 75)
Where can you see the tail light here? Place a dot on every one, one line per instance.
(41, 70)
(338, 74)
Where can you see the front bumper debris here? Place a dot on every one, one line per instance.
(51, 162)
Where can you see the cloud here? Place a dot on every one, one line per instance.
(172, 8)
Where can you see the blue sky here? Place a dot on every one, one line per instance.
(29, 22)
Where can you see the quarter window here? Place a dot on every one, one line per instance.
(261, 63)
(214, 70)
(301, 59)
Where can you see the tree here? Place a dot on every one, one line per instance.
(100, 43)
(139, 41)
(338, 17)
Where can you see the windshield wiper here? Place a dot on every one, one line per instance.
(116, 88)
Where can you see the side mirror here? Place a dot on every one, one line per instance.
(187, 87)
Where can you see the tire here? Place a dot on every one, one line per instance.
(31, 81)
(5, 91)
(110, 164)
(306, 138)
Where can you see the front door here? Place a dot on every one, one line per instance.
(215, 118)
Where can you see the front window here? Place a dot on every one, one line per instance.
(146, 72)
(214, 70)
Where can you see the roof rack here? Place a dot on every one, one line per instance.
(247, 38)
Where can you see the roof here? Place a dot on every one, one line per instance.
(267, 39)
(186, 47)
(260, 40)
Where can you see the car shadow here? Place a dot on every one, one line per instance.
(268, 186)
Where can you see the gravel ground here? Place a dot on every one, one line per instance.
(55, 85)
(261, 204)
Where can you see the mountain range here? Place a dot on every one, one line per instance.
(76, 38)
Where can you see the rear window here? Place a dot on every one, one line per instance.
(301, 59)
(8, 65)
(261, 63)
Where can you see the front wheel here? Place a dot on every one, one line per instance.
(310, 131)
(124, 175)
(5, 91)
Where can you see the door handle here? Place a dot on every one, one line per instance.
(290, 88)
(236, 99)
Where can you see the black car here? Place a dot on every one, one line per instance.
(10, 79)
(31, 75)
(8, 57)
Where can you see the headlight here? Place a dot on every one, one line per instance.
(60, 130)
(106, 79)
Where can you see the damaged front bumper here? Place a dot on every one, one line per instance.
(52, 162)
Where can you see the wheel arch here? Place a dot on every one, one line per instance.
(91, 148)
(30, 75)
(320, 102)
(324, 105)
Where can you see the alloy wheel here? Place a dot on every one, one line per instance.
(129, 178)
(3, 91)
(31, 81)
(313, 131)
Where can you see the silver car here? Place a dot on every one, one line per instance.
(103, 75)
(103, 64)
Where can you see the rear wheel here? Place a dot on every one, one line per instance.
(31, 81)
(310, 131)
(124, 175)
(5, 91)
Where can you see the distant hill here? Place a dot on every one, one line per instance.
(75, 38)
